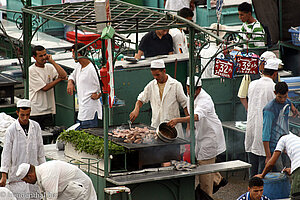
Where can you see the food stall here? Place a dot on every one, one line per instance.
(167, 182)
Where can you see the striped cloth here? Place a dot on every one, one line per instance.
(290, 143)
(254, 40)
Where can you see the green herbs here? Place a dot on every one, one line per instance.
(89, 143)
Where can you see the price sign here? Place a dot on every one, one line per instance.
(247, 65)
(223, 68)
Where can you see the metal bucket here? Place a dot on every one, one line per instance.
(277, 185)
(166, 133)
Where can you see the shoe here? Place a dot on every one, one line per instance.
(222, 183)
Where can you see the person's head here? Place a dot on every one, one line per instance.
(186, 13)
(80, 53)
(256, 188)
(40, 55)
(158, 70)
(26, 172)
(23, 111)
(264, 57)
(245, 12)
(271, 67)
(281, 92)
(161, 33)
(198, 86)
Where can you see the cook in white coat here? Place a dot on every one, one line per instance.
(23, 144)
(209, 136)
(88, 90)
(260, 93)
(59, 180)
(165, 95)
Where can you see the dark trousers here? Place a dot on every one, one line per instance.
(43, 120)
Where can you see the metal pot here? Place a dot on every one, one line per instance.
(166, 133)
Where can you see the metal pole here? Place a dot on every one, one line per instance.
(192, 91)
(27, 32)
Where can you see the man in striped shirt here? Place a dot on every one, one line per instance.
(249, 28)
(291, 145)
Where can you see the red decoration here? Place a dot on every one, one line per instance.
(223, 68)
(247, 65)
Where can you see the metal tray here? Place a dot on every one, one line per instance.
(120, 141)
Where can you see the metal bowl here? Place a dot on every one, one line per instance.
(166, 133)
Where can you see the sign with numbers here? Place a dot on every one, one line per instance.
(247, 65)
(223, 68)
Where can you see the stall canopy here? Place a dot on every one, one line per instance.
(274, 13)
(83, 12)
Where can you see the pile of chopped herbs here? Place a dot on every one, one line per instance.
(88, 143)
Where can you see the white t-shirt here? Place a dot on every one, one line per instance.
(290, 143)
(87, 83)
(179, 41)
(177, 4)
(41, 102)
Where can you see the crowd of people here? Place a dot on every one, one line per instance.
(268, 143)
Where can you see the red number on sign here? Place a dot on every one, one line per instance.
(247, 65)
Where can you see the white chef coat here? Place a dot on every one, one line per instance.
(260, 93)
(64, 181)
(166, 108)
(41, 102)
(87, 83)
(179, 41)
(177, 4)
(6, 194)
(19, 148)
(209, 136)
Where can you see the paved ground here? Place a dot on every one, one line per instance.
(236, 186)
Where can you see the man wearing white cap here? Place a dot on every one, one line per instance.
(58, 180)
(243, 90)
(165, 95)
(260, 93)
(23, 144)
(209, 135)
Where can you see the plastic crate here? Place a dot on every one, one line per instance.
(295, 35)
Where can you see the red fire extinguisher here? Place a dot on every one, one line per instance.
(105, 79)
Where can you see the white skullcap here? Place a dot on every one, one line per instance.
(273, 63)
(267, 55)
(22, 170)
(23, 103)
(196, 79)
(158, 64)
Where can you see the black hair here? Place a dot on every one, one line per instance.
(281, 88)
(23, 108)
(255, 181)
(269, 72)
(160, 69)
(37, 48)
(245, 7)
(79, 46)
(185, 13)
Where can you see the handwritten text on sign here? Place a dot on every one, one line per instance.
(247, 65)
(223, 68)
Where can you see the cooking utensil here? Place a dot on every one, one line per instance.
(132, 60)
(129, 122)
(166, 133)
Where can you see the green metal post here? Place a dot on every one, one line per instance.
(27, 32)
(105, 119)
(192, 91)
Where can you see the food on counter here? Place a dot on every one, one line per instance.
(135, 135)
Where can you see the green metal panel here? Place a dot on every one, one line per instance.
(9, 110)
(51, 27)
(224, 94)
(136, 2)
(65, 106)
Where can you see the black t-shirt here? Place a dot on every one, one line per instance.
(152, 45)
(25, 128)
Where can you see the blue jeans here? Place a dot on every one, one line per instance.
(93, 123)
(258, 164)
